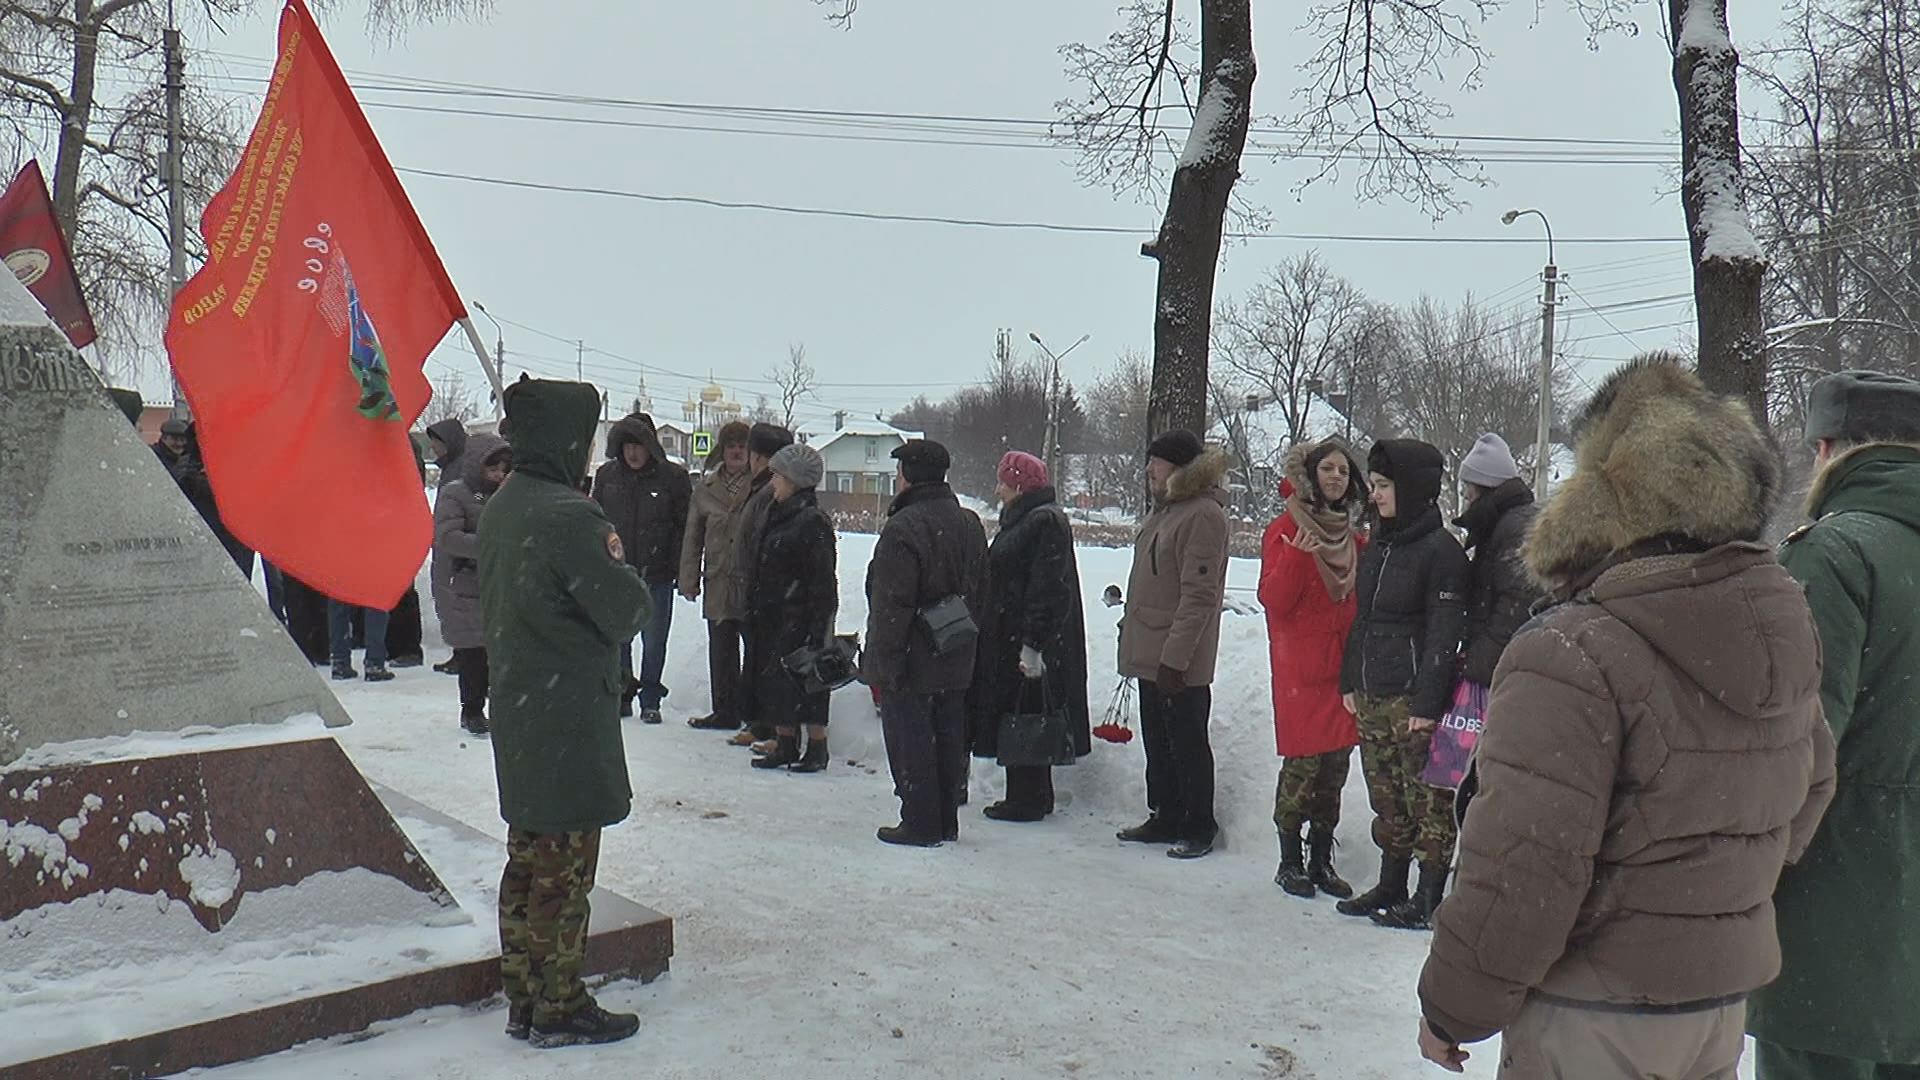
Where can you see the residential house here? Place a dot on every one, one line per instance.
(860, 470)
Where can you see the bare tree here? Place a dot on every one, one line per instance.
(794, 381)
(108, 143)
(452, 399)
(1117, 437)
(1837, 197)
(1292, 337)
(1143, 70)
(1458, 372)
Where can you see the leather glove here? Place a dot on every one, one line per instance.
(1032, 664)
(1170, 681)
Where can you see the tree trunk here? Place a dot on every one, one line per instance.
(73, 128)
(1188, 246)
(1727, 261)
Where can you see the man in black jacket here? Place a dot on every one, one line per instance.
(646, 497)
(1500, 510)
(931, 549)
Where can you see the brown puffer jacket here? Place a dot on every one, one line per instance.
(1654, 751)
(1179, 578)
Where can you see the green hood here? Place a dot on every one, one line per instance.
(551, 426)
(1881, 478)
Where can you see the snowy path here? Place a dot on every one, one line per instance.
(807, 949)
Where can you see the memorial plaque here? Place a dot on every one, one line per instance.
(119, 610)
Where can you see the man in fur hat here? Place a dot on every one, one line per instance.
(1849, 913)
(1170, 638)
(1653, 757)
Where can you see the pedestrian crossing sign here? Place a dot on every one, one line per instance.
(702, 443)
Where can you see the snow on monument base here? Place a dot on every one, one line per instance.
(163, 913)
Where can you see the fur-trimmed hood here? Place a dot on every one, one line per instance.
(1198, 477)
(1658, 456)
(1293, 472)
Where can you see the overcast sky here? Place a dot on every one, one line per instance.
(887, 308)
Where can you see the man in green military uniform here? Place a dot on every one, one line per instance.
(558, 599)
(1847, 1004)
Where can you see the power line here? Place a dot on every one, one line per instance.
(985, 223)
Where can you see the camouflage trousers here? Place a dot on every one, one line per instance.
(543, 920)
(1410, 818)
(1309, 791)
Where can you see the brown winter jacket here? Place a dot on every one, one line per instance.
(713, 529)
(1179, 578)
(1654, 751)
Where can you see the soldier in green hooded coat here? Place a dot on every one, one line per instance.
(1847, 1004)
(557, 599)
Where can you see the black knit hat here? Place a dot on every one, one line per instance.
(1417, 470)
(1178, 447)
(768, 439)
(1864, 406)
(923, 461)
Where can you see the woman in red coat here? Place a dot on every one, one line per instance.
(1308, 562)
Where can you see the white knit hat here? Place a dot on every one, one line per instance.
(1490, 463)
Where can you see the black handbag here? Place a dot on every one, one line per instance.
(949, 624)
(826, 669)
(1031, 739)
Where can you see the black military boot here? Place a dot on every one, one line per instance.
(519, 1021)
(785, 753)
(815, 760)
(474, 724)
(1391, 890)
(343, 670)
(589, 1025)
(1293, 878)
(1150, 831)
(1320, 864)
(1417, 912)
(450, 667)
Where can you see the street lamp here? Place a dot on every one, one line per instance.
(1051, 449)
(1542, 447)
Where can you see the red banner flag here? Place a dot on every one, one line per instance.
(301, 344)
(36, 251)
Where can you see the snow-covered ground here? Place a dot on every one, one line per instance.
(805, 948)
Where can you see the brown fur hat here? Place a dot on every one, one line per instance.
(1658, 455)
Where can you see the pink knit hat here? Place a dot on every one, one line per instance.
(1022, 471)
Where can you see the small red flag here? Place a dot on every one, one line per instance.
(301, 345)
(36, 251)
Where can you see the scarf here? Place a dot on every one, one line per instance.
(733, 487)
(1338, 555)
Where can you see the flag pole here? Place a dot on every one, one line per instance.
(175, 169)
(486, 365)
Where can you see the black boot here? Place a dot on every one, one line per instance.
(1417, 912)
(1150, 831)
(785, 754)
(1006, 811)
(1320, 864)
(450, 667)
(1292, 878)
(343, 670)
(901, 836)
(815, 760)
(519, 1021)
(588, 1026)
(1391, 890)
(474, 724)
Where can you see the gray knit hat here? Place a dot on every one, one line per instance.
(1490, 463)
(801, 464)
(1864, 406)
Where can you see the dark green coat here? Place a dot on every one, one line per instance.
(1850, 911)
(557, 604)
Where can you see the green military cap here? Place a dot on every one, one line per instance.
(1864, 406)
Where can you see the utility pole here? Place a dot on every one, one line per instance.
(1050, 443)
(580, 360)
(176, 79)
(1549, 299)
(1543, 467)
